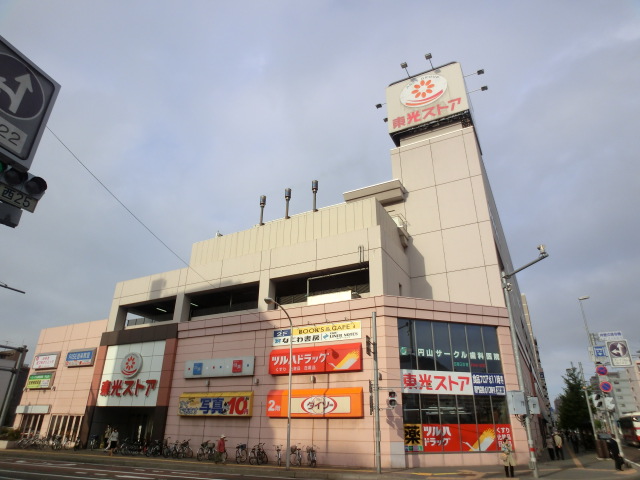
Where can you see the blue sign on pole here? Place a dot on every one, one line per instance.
(606, 387)
(600, 351)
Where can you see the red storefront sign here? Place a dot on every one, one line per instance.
(456, 438)
(337, 358)
(124, 388)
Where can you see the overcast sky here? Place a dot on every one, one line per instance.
(188, 111)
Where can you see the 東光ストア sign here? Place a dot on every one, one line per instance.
(426, 97)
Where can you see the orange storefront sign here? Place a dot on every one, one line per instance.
(317, 403)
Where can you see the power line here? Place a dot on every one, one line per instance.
(125, 207)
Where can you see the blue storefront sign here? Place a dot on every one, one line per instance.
(488, 384)
(80, 358)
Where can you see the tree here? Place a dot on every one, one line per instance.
(573, 411)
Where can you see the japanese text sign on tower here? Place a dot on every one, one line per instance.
(27, 95)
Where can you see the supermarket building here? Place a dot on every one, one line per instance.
(196, 352)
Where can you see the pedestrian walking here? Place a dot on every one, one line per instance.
(113, 441)
(614, 452)
(107, 434)
(551, 447)
(507, 457)
(557, 440)
(575, 441)
(221, 448)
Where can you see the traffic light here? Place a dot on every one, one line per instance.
(609, 404)
(598, 400)
(392, 401)
(20, 189)
(369, 345)
(9, 215)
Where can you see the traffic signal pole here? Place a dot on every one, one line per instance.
(376, 391)
(586, 396)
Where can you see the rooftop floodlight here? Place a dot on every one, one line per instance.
(404, 65)
(378, 105)
(427, 56)
(479, 72)
(481, 89)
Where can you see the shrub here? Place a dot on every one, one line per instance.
(8, 433)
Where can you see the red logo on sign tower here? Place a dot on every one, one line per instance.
(131, 364)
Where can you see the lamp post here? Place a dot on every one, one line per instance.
(592, 343)
(516, 354)
(271, 301)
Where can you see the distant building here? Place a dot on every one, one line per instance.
(10, 366)
(58, 385)
(416, 260)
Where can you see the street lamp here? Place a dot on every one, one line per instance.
(592, 352)
(586, 327)
(516, 354)
(271, 301)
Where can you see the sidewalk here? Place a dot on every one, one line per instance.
(584, 466)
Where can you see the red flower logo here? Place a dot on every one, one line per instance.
(422, 89)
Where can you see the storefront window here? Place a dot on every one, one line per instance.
(492, 349)
(460, 352)
(476, 346)
(429, 408)
(406, 344)
(442, 342)
(453, 387)
(424, 346)
(411, 408)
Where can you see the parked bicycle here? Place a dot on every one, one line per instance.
(296, 456)
(241, 453)
(205, 451)
(262, 453)
(154, 450)
(56, 442)
(278, 454)
(257, 455)
(311, 456)
(166, 449)
(173, 450)
(94, 442)
(185, 449)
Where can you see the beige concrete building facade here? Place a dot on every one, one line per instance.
(196, 352)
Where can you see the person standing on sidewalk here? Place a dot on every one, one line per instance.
(507, 457)
(113, 441)
(221, 449)
(551, 447)
(557, 440)
(107, 434)
(614, 452)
